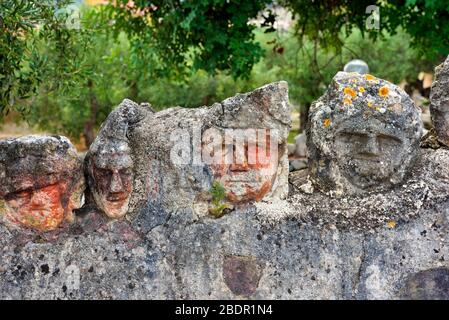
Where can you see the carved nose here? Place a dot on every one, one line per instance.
(372, 147)
(37, 199)
(116, 183)
(243, 166)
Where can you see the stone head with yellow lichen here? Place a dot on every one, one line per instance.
(363, 135)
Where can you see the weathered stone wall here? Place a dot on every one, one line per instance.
(150, 230)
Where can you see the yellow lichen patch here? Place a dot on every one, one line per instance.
(327, 123)
(361, 89)
(370, 77)
(347, 101)
(350, 92)
(391, 224)
(384, 91)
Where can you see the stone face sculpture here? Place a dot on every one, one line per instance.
(363, 135)
(240, 143)
(439, 102)
(110, 161)
(41, 182)
(373, 245)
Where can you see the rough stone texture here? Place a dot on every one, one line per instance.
(110, 160)
(439, 102)
(41, 182)
(384, 243)
(189, 257)
(173, 146)
(432, 284)
(363, 134)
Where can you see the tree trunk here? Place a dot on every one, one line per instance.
(88, 132)
(303, 115)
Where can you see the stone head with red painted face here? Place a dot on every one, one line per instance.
(248, 144)
(41, 181)
(245, 162)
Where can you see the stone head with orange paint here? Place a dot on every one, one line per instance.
(363, 134)
(254, 129)
(240, 142)
(41, 182)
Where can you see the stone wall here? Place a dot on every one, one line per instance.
(198, 203)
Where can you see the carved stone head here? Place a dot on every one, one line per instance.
(110, 161)
(41, 181)
(112, 177)
(247, 161)
(363, 134)
(252, 132)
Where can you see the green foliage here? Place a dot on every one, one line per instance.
(20, 63)
(94, 77)
(193, 53)
(218, 193)
(424, 20)
(203, 34)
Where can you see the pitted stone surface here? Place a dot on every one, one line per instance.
(363, 135)
(173, 146)
(182, 257)
(382, 243)
(41, 182)
(110, 160)
(439, 102)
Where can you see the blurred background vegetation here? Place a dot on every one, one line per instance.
(65, 65)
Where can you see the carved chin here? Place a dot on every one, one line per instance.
(42, 220)
(115, 209)
(246, 191)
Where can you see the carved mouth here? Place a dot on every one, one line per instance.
(117, 197)
(43, 211)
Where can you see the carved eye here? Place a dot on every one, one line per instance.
(387, 140)
(22, 195)
(126, 172)
(103, 172)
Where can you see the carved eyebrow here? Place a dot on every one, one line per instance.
(15, 193)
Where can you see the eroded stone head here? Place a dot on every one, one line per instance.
(252, 140)
(41, 182)
(110, 161)
(239, 143)
(439, 102)
(363, 135)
